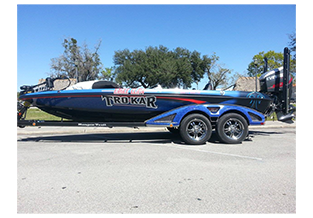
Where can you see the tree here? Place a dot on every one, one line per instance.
(77, 62)
(218, 77)
(159, 65)
(216, 73)
(275, 60)
(107, 74)
(292, 44)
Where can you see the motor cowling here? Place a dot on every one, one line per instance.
(272, 81)
(277, 84)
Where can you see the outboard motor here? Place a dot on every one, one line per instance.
(277, 84)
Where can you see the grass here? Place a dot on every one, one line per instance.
(274, 116)
(37, 114)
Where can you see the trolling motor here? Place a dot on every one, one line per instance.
(277, 84)
(47, 85)
(29, 89)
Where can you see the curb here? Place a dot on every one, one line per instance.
(275, 124)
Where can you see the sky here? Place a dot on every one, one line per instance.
(234, 32)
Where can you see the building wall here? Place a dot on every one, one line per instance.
(246, 84)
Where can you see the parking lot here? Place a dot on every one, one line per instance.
(141, 171)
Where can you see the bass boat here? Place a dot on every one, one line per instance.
(192, 113)
(108, 104)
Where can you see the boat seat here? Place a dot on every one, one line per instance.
(104, 84)
(208, 86)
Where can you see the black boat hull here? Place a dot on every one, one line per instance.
(135, 105)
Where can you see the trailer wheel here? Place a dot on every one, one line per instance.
(195, 129)
(232, 128)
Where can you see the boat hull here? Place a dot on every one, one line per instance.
(134, 105)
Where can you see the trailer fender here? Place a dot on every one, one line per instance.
(174, 117)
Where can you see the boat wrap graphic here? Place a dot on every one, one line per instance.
(126, 104)
(145, 101)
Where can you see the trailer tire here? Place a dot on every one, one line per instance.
(232, 128)
(195, 129)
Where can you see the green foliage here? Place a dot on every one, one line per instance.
(275, 60)
(159, 65)
(107, 74)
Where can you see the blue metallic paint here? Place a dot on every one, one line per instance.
(181, 112)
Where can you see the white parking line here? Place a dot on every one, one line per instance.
(220, 153)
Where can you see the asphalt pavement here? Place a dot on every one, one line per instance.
(148, 170)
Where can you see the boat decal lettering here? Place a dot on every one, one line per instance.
(145, 101)
(121, 91)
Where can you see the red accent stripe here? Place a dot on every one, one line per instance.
(65, 96)
(184, 99)
(95, 96)
(281, 84)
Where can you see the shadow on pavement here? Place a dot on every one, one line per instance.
(142, 137)
(151, 137)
